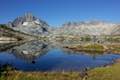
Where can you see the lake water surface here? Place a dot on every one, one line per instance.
(43, 58)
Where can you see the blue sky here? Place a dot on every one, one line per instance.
(57, 12)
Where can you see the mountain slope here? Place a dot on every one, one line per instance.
(5, 31)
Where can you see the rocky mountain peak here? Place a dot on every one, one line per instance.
(29, 24)
(29, 17)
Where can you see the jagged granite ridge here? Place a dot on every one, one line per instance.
(29, 24)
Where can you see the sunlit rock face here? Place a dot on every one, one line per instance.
(29, 24)
(89, 28)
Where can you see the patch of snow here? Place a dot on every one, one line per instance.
(25, 23)
(37, 21)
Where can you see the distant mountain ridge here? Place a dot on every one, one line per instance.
(89, 28)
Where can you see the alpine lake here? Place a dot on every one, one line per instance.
(47, 57)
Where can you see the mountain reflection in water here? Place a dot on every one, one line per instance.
(42, 56)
